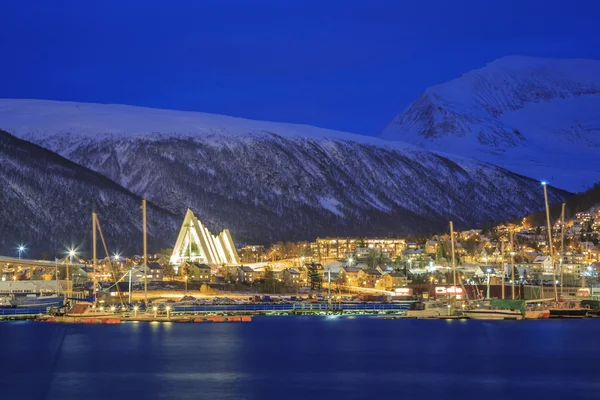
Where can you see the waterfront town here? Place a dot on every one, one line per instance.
(508, 261)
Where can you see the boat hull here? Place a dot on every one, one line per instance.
(31, 302)
(493, 315)
(422, 313)
(568, 313)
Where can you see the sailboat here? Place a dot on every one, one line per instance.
(499, 309)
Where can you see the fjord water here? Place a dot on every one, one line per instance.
(302, 358)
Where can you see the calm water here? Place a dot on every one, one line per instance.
(302, 358)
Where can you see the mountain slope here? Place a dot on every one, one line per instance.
(47, 203)
(269, 181)
(537, 117)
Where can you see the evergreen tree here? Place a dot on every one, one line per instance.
(314, 276)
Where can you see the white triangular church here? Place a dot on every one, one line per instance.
(195, 243)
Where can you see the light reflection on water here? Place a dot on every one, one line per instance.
(300, 358)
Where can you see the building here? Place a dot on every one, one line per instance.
(392, 280)
(155, 272)
(198, 272)
(337, 248)
(245, 274)
(291, 277)
(195, 243)
(543, 264)
(368, 278)
(349, 276)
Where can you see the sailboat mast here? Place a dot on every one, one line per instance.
(562, 246)
(94, 252)
(550, 245)
(145, 253)
(453, 261)
(502, 264)
(512, 265)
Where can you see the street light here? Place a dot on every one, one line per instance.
(72, 253)
(117, 257)
(21, 249)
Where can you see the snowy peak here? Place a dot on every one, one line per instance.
(42, 119)
(512, 108)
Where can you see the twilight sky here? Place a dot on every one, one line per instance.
(341, 64)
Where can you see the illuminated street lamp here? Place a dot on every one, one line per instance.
(21, 249)
(72, 253)
(117, 257)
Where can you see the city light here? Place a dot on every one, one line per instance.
(544, 183)
(21, 249)
(117, 257)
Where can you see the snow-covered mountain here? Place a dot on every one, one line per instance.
(538, 117)
(272, 181)
(47, 203)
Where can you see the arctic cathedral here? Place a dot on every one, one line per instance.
(195, 243)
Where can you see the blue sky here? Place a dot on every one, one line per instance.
(348, 65)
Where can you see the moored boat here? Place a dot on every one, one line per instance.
(425, 309)
(499, 310)
(30, 300)
(568, 309)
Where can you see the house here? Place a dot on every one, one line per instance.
(543, 264)
(229, 273)
(392, 280)
(291, 277)
(199, 272)
(348, 276)
(368, 278)
(245, 274)
(431, 246)
(155, 272)
(414, 254)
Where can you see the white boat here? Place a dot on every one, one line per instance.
(30, 300)
(87, 310)
(425, 309)
(493, 314)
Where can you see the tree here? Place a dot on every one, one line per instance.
(517, 276)
(314, 276)
(269, 279)
(168, 270)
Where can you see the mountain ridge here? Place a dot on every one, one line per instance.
(523, 113)
(50, 199)
(269, 182)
